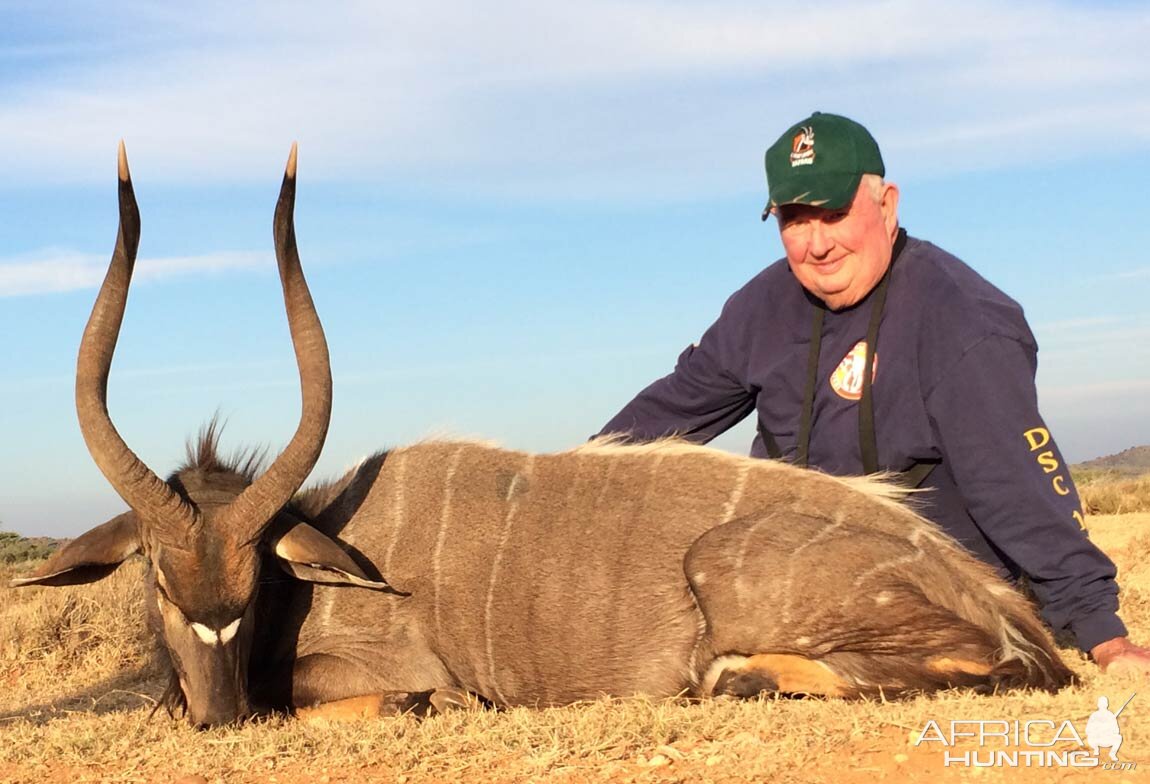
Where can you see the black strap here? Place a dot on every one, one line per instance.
(804, 445)
(868, 446)
(867, 443)
(769, 442)
(917, 474)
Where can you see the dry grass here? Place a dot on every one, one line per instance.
(1107, 494)
(76, 688)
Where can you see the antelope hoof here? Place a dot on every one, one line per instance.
(736, 683)
(444, 700)
(781, 673)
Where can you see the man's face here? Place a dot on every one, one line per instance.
(840, 255)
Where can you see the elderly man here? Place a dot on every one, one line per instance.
(868, 350)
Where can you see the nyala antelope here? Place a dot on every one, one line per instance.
(447, 572)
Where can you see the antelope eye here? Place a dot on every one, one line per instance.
(165, 603)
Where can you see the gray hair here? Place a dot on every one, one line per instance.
(874, 183)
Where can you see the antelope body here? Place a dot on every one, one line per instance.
(450, 567)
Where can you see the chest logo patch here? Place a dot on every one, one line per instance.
(847, 380)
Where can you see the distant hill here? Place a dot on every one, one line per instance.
(1134, 461)
(15, 548)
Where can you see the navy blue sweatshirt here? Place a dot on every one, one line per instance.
(953, 380)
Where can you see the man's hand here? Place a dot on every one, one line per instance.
(1119, 655)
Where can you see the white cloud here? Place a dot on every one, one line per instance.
(1077, 325)
(57, 271)
(1135, 274)
(589, 97)
(1108, 392)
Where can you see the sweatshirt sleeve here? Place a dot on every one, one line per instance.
(699, 400)
(1017, 485)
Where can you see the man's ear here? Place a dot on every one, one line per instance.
(309, 555)
(89, 558)
(889, 206)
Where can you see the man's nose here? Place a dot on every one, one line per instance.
(821, 240)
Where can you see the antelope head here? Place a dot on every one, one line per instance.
(203, 532)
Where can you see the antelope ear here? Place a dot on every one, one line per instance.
(308, 555)
(89, 558)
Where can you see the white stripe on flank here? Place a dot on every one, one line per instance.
(511, 487)
(444, 523)
(398, 510)
(503, 540)
(736, 493)
(746, 544)
(651, 487)
(614, 461)
(327, 604)
(741, 558)
(823, 534)
(795, 568)
(879, 568)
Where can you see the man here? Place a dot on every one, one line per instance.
(866, 350)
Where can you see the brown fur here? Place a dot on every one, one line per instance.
(606, 570)
(614, 569)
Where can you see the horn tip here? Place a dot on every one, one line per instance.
(123, 163)
(291, 164)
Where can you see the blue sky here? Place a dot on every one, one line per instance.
(515, 215)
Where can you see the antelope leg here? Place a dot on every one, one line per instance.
(369, 706)
(777, 672)
(947, 665)
(392, 703)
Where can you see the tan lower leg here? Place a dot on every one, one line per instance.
(784, 673)
(947, 665)
(799, 675)
(369, 706)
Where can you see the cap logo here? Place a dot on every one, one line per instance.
(803, 147)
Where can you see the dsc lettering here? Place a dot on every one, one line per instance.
(1038, 438)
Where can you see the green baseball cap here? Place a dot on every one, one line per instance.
(819, 161)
